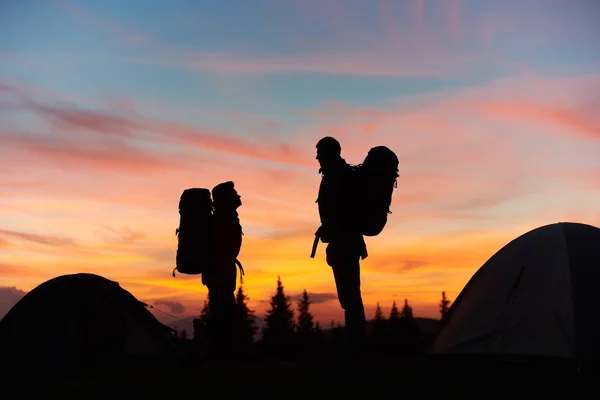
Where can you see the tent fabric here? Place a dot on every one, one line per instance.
(535, 297)
(81, 320)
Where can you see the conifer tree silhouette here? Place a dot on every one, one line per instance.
(244, 321)
(394, 313)
(278, 333)
(410, 335)
(200, 322)
(183, 335)
(305, 324)
(444, 306)
(395, 327)
(379, 329)
(379, 314)
(407, 312)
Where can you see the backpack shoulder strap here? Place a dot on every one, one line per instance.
(239, 264)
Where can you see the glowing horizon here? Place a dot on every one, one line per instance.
(108, 111)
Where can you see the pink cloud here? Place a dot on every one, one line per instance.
(39, 239)
(9, 296)
(583, 120)
(71, 122)
(111, 156)
(369, 64)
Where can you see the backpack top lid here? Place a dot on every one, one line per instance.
(381, 159)
(195, 199)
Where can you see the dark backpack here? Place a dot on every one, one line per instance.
(376, 179)
(194, 233)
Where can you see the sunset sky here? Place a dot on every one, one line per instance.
(109, 109)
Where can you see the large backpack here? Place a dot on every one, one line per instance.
(376, 179)
(194, 233)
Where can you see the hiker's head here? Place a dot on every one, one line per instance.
(225, 196)
(328, 150)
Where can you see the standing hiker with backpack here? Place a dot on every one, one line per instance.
(353, 201)
(345, 243)
(220, 275)
(209, 239)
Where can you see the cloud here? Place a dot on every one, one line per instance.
(584, 177)
(175, 306)
(582, 120)
(389, 45)
(316, 298)
(47, 240)
(124, 236)
(9, 296)
(122, 141)
(367, 64)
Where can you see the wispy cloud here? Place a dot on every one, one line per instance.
(174, 306)
(107, 139)
(9, 296)
(316, 298)
(401, 48)
(47, 240)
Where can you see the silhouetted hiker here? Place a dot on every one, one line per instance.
(354, 200)
(220, 277)
(339, 228)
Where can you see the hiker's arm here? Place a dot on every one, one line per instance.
(328, 210)
(236, 241)
(228, 241)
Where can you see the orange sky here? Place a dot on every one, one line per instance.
(493, 141)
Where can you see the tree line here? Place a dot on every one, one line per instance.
(294, 332)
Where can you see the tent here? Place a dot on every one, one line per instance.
(81, 320)
(535, 298)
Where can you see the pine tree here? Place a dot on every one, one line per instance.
(410, 335)
(205, 312)
(336, 338)
(379, 314)
(200, 322)
(245, 320)
(379, 327)
(407, 312)
(279, 329)
(318, 330)
(444, 306)
(395, 325)
(394, 313)
(183, 335)
(305, 324)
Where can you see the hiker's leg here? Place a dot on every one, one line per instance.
(346, 272)
(228, 320)
(354, 308)
(220, 318)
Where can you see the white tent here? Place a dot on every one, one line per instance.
(537, 296)
(81, 320)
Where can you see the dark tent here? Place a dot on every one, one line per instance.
(535, 298)
(81, 320)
